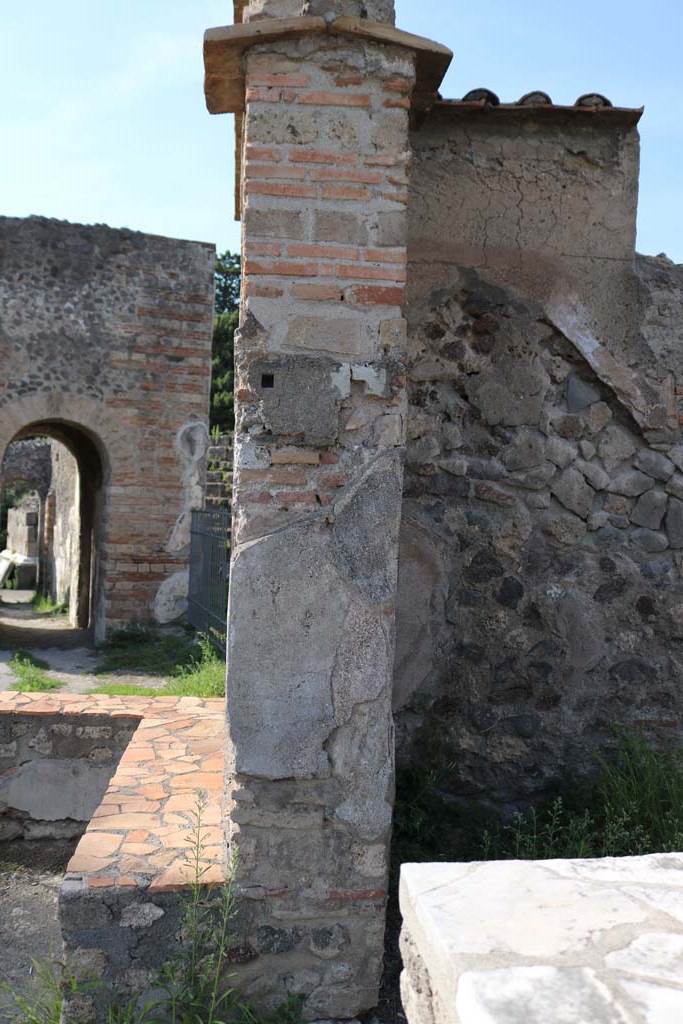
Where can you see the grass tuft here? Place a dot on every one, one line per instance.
(146, 651)
(129, 690)
(44, 605)
(203, 675)
(44, 1005)
(27, 656)
(30, 674)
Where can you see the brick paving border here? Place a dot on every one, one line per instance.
(120, 911)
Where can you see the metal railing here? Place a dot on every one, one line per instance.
(210, 573)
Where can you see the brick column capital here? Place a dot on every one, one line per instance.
(224, 48)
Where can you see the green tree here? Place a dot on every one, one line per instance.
(227, 278)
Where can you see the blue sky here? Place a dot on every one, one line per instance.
(102, 116)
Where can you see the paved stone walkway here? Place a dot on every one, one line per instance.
(141, 832)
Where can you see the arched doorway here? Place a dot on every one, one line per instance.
(85, 521)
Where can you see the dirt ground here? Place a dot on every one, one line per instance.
(30, 875)
(68, 651)
(21, 626)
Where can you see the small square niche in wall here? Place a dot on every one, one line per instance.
(267, 380)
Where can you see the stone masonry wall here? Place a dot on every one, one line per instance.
(54, 770)
(27, 463)
(105, 341)
(375, 10)
(320, 406)
(22, 529)
(543, 200)
(542, 541)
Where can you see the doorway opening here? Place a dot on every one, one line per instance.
(51, 512)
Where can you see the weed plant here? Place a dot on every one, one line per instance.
(44, 1005)
(633, 807)
(193, 986)
(44, 605)
(202, 676)
(146, 651)
(30, 674)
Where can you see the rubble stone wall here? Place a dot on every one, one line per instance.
(542, 541)
(320, 408)
(27, 463)
(106, 346)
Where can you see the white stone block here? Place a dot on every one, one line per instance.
(544, 942)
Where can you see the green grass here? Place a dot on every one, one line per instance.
(203, 675)
(30, 674)
(44, 1004)
(146, 652)
(44, 605)
(633, 807)
(129, 690)
(26, 656)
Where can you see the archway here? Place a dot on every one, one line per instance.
(85, 598)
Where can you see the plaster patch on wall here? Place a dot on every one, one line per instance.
(192, 442)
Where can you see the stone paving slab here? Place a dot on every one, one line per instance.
(140, 834)
(534, 942)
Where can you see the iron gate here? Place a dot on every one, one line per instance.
(209, 573)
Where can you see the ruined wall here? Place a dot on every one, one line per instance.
(540, 198)
(376, 10)
(27, 463)
(54, 771)
(105, 341)
(23, 524)
(540, 600)
(22, 529)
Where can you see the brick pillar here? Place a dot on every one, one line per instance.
(320, 415)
